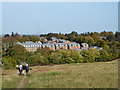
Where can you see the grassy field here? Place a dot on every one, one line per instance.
(82, 75)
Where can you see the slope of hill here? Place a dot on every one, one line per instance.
(82, 75)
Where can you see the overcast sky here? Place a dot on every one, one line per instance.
(55, 17)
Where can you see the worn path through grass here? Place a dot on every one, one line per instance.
(21, 82)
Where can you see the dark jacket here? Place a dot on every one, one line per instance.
(27, 68)
(24, 67)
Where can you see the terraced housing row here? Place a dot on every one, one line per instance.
(53, 44)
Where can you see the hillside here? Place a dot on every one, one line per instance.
(82, 75)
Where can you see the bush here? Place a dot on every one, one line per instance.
(30, 60)
(76, 56)
(65, 56)
(44, 51)
(9, 62)
(95, 52)
(56, 58)
(68, 60)
(103, 56)
(37, 59)
(88, 56)
(18, 52)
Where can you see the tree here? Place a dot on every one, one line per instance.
(36, 59)
(80, 39)
(9, 62)
(67, 56)
(111, 37)
(12, 35)
(108, 50)
(117, 35)
(100, 43)
(104, 56)
(71, 37)
(28, 54)
(17, 35)
(74, 33)
(96, 38)
(23, 39)
(39, 59)
(96, 33)
(7, 35)
(104, 34)
(34, 38)
(95, 52)
(56, 58)
(88, 56)
(44, 51)
(18, 52)
(114, 51)
(30, 60)
(89, 40)
(75, 55)
(61, 36)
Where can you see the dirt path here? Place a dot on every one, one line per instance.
(21, 83)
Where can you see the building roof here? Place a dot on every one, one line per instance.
(53, 38)
(92, 47)
(63, 41)
(79, 50)
(43, 37)
(98, 48)
(29, 44)
(47, 42)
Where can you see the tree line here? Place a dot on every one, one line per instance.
(14, 54)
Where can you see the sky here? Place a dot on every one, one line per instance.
(55, 17)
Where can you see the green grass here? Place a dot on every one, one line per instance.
(82, 75)
(10, 78)
(0, 78)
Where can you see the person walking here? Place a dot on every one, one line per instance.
(27, 69)
(24, 68)
(20, 69)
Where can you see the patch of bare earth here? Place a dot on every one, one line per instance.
(21, 83)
